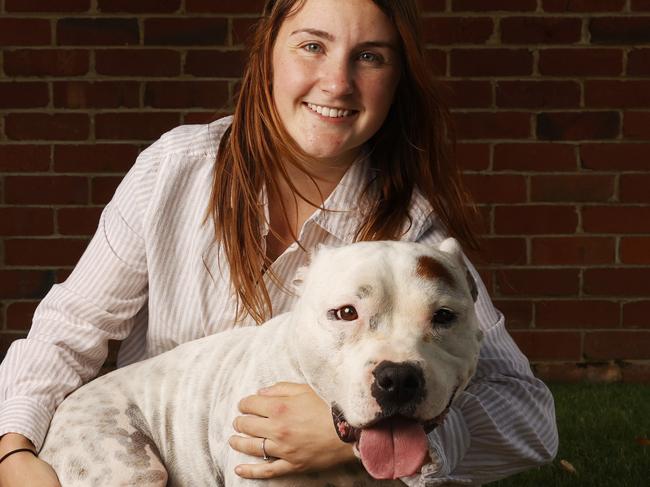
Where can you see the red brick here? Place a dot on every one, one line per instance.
(239, 7)
(620, 30)
(578, 125)
(457, 30)
(519, 314)
(577, 314)
(97, 32)
(636, 372)
(634, 250)
(47, 6)
(573, 250)
(475, 157)
(18, 221)
(617, 94)
(41, 126)
(436, 60)
(104, 158)
(534, 157)
(20, 314)
(540, 30)
(44, 251)
(491, 62)
(24, 158)
(575, 187)
(220, 64)
(581, 62)
(596, 373)
(615, 157)
(617, 281)
(134, 126)
(186, 94)
(635, 188)
(25, 284)
(500, 250)
(493, 5)
(141, 62)
(24, 32)
(638, 62)
(242, 29)
(538, 94)
(46, 62)
(535, 219)
(103, 189)
(141, 6)
(204, 117)
(97, 94)
(495, 188)
(186, 31)
(433, 5)
(23, 95)
(468, 94)
(538, 282)
(492, 125)
(587, 6)
(616, 219)
(617, 345)
(78, 221)
(638, 5)
(636, 125)
(636, 314)
(548, 345)
(39, 190)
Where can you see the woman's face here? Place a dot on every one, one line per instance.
(336, 66)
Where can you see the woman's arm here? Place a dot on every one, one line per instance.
(504, 422)
(67, 343)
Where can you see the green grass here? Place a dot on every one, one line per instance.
(598, 426)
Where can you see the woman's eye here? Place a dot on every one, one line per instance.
(444, 317)
(370, 57)
(312, 47)
(345, 313)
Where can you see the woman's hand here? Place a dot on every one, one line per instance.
(298, 428)
(23, 469)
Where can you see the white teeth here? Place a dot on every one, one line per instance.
(329, 112)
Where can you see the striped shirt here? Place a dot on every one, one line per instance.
(154, 277)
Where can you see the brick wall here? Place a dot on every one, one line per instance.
(552, 104)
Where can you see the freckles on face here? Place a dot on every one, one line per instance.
(336, 66)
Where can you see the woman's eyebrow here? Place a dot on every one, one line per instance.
(326, 35)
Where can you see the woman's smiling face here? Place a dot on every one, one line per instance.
(336, 65)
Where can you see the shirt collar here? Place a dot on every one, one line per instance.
(344, 209)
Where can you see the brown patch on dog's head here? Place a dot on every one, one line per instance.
(430, 268)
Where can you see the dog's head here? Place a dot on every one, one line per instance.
(389, 337)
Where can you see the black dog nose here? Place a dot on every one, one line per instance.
(397, 386)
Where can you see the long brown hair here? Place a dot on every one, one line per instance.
(412, 148)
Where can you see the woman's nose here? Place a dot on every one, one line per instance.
(336, 77)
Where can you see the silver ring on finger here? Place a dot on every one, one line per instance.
(265, 455)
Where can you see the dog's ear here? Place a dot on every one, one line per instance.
(451, 246)
(299, 277)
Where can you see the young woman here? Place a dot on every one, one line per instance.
(337, 136)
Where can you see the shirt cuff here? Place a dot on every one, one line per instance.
(447, 446)
(27, 417)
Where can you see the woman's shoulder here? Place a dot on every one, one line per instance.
(194, 139)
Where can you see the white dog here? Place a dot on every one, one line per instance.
(384, 332)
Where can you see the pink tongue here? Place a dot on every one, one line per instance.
(393, 448)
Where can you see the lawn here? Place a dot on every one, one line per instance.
(604, 432)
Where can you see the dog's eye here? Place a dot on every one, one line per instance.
(345, 313)
(444, 317)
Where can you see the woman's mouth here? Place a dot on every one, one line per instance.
(330, 112)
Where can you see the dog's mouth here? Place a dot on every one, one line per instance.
(390, 446)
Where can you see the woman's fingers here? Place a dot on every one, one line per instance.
(265, 470)
(252, 425)
(253, 446)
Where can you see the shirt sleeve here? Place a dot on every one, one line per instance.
(68, 341)
(504, 421)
